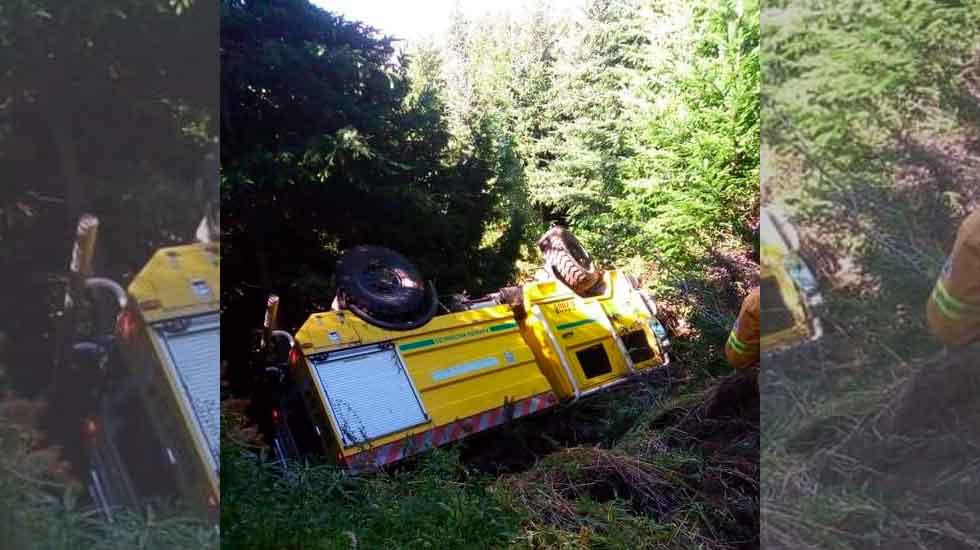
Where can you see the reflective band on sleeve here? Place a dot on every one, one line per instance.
(740, 347)
(953, 308)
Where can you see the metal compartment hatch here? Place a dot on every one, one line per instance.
(369, 392)
(194, 347)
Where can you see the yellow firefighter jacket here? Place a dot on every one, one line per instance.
(742, 348)
(953, 310)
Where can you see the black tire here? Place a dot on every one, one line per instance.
(568, 259)
(409, 321)
(380, 281)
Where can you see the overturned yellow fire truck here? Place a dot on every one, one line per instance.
(792, 305)
(152, 354)
(373, 381)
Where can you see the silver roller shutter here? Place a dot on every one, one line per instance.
(369, 392)
(195, 353)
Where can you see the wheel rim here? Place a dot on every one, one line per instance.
(382, 279)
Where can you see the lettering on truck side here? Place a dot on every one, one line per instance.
(562, 307)
(457, 336)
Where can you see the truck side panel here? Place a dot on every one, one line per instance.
(469, 371)
(168, 416)
(461, 365)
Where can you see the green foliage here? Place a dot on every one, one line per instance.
(858, 91)
(326, 145)
(610, 525)
(853, 74)
(39, 509)
(106, 108)
(463, 150)
(71, 74)
(439, 505)
(636, 123)
(869, 100)
(591, 141)
(696, 173)
(868, 107)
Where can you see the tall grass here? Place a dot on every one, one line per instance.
(42, 507)
(441, 504)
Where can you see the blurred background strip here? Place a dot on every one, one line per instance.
(109, 274)
(871, 178)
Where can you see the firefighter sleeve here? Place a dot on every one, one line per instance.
(953, 310)
(742, 348)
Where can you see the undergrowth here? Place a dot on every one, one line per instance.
(439, 505)
(42, 505)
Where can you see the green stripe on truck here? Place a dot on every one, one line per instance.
(573, 324)
(457, 336)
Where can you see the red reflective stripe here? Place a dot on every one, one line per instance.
(353, 462)
(456, 431)
(382, 455)
(495, 417)
(518, 408)
(447, 433)
(379, 456)
(395, 452)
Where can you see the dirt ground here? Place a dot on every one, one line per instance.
(680, 462)
(903, 454)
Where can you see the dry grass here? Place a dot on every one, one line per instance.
(867, 467)
(694, 479)
(42, 504)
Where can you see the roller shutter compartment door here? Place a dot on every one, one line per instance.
(195, 352)
(369, 392)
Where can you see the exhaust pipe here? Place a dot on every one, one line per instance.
(82, 255)
(79, 268)
(80, 281)
(271, 321)
(270, 330)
